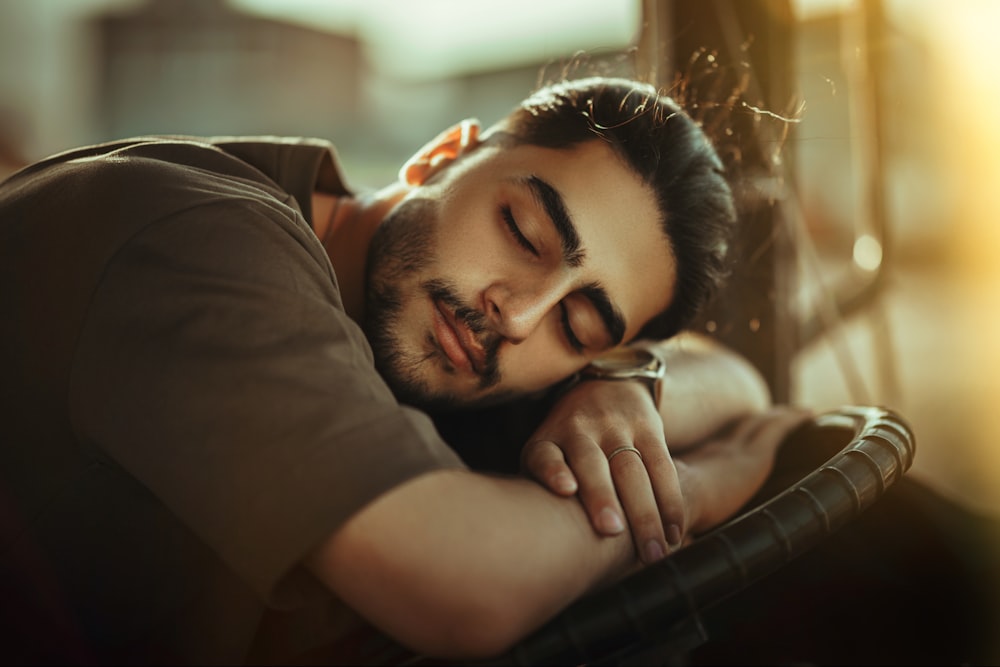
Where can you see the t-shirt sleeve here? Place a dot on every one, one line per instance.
(217, 367)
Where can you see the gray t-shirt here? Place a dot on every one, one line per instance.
(188, 409)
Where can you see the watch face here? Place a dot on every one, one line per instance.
(623, 358)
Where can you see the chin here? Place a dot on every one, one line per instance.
(443, 397)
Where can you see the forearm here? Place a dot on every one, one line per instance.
(706, 386)
(720, 475)
(459, 565)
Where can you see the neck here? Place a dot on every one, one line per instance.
(345, 226)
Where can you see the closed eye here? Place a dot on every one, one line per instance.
(574, 342)
(508, 218)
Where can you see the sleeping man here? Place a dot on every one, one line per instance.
(219, 363)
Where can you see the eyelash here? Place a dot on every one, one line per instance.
(522, 241)
(508, 218)
(568, 330)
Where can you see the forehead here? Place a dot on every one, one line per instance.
(616, 215)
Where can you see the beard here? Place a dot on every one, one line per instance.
(401, 250)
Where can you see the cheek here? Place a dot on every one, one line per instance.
(472, 250)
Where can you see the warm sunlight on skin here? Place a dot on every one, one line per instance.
(622, 249)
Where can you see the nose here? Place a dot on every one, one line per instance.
(515, 308)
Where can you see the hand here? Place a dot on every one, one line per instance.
(569, 453)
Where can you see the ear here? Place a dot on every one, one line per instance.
(440, 152)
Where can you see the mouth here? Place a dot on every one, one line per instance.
(457, 341)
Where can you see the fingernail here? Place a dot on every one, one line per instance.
(611, 522)
(654, 551)
(564, 483)
(674, 535)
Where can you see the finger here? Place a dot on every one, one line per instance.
(597, 491)
(628, 471)
(544, 460)
(666, 488)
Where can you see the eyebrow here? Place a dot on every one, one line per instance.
(612, 318)
(555, 208)
(573, 254)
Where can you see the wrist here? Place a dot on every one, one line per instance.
(633, 363)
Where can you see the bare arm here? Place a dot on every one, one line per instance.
(706, 385)
(459, 565)
(726, 469)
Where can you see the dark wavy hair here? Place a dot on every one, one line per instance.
(669, 151)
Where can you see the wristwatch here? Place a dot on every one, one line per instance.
(628, 363)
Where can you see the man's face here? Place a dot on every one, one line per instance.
(510, 270)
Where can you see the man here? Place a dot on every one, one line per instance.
(211, 350)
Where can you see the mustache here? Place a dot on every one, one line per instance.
(477, 323)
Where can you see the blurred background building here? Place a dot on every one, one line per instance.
(890, 194)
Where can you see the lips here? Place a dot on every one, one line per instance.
(457, 341)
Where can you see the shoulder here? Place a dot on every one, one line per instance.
(135, 160)
(130, 177)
